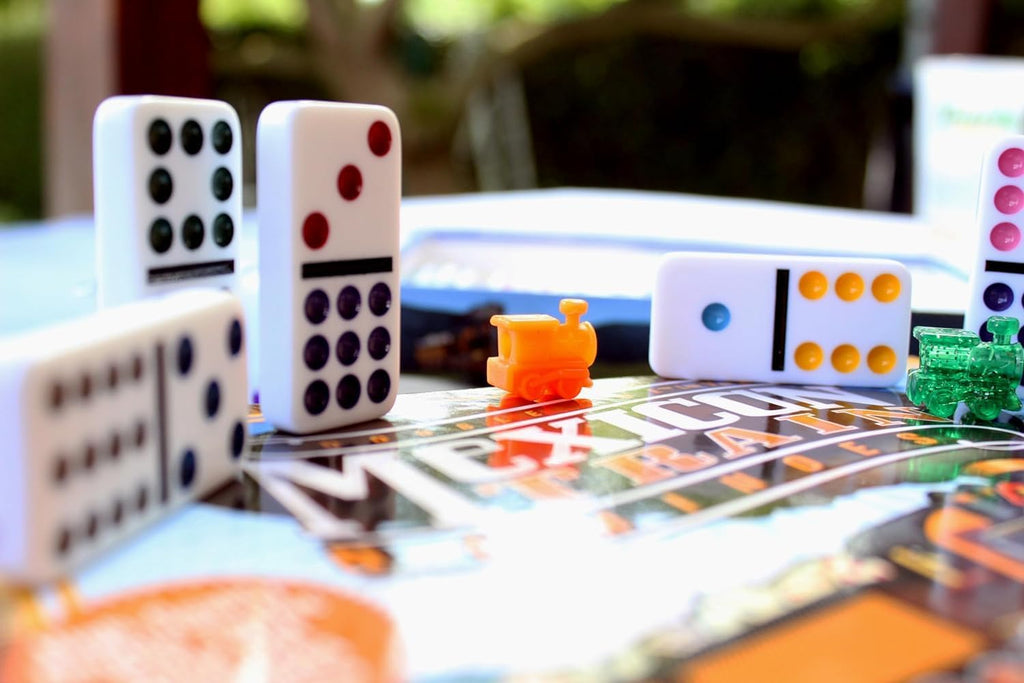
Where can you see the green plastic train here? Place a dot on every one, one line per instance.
(956, 365)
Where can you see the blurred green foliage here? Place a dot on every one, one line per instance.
(671, 114)
(20, 17)
(282, 15)
(21, 31)
(711, 118)
(452, 18)
(667, 86)
(449, 18)
(455, 17)
(788, 9)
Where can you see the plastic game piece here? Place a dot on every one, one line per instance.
(997, 281)
(539, 357)
(957, 366)
(111, 420)
(329, 189)
(167, 191)
(817, 320)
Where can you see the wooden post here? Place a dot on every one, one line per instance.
(99, 48)
(80, 68)
(961, 26)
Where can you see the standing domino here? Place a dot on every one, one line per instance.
(109, 421)
(780, 319)
(328, 189)
(166, 179)
(997, 281)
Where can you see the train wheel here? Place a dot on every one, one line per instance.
(913, 388)
(942, 404)
(568, 388)
(533, 388)
(986, 408)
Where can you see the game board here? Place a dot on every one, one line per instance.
(646, 530)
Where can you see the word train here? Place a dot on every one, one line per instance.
(957, 366)
(539, 358)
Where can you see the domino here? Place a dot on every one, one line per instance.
(112, 420)
(167, 193)
(328, 192)
(997, 281)
(780, 319)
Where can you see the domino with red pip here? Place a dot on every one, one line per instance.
(328, 190)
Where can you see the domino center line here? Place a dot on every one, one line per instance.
(161, 421)
(1010, 267)
(359, 266)
(779, 325)
(190, 271)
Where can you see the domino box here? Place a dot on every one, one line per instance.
(167, 192)
(329, 189)
(774, 318)
(997, 281)
(111, 420)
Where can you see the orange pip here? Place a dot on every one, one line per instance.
(540, 357)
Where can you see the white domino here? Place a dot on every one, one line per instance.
(328, 190)
(167, 182)
(997, 281)
(780, 319)
(109, 421)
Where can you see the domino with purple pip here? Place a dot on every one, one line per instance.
(329, 190)
(997, 280)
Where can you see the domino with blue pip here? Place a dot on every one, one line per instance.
(167, 193)
(111, 420)
(328, 190)
(790, 319)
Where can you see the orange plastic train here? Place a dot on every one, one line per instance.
(540, 357)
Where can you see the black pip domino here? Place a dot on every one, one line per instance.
(780, 319)
(167, 190)
(109, 421)
(997, 281)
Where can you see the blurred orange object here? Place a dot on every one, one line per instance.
(539, 357)
(223, 629)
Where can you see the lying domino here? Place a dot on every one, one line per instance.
(111, 420)
(780, 319)
(167, 193)
(328, 190)
(997, 281)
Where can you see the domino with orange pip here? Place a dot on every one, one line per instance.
(776, 318)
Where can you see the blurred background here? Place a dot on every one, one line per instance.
(800, 100)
